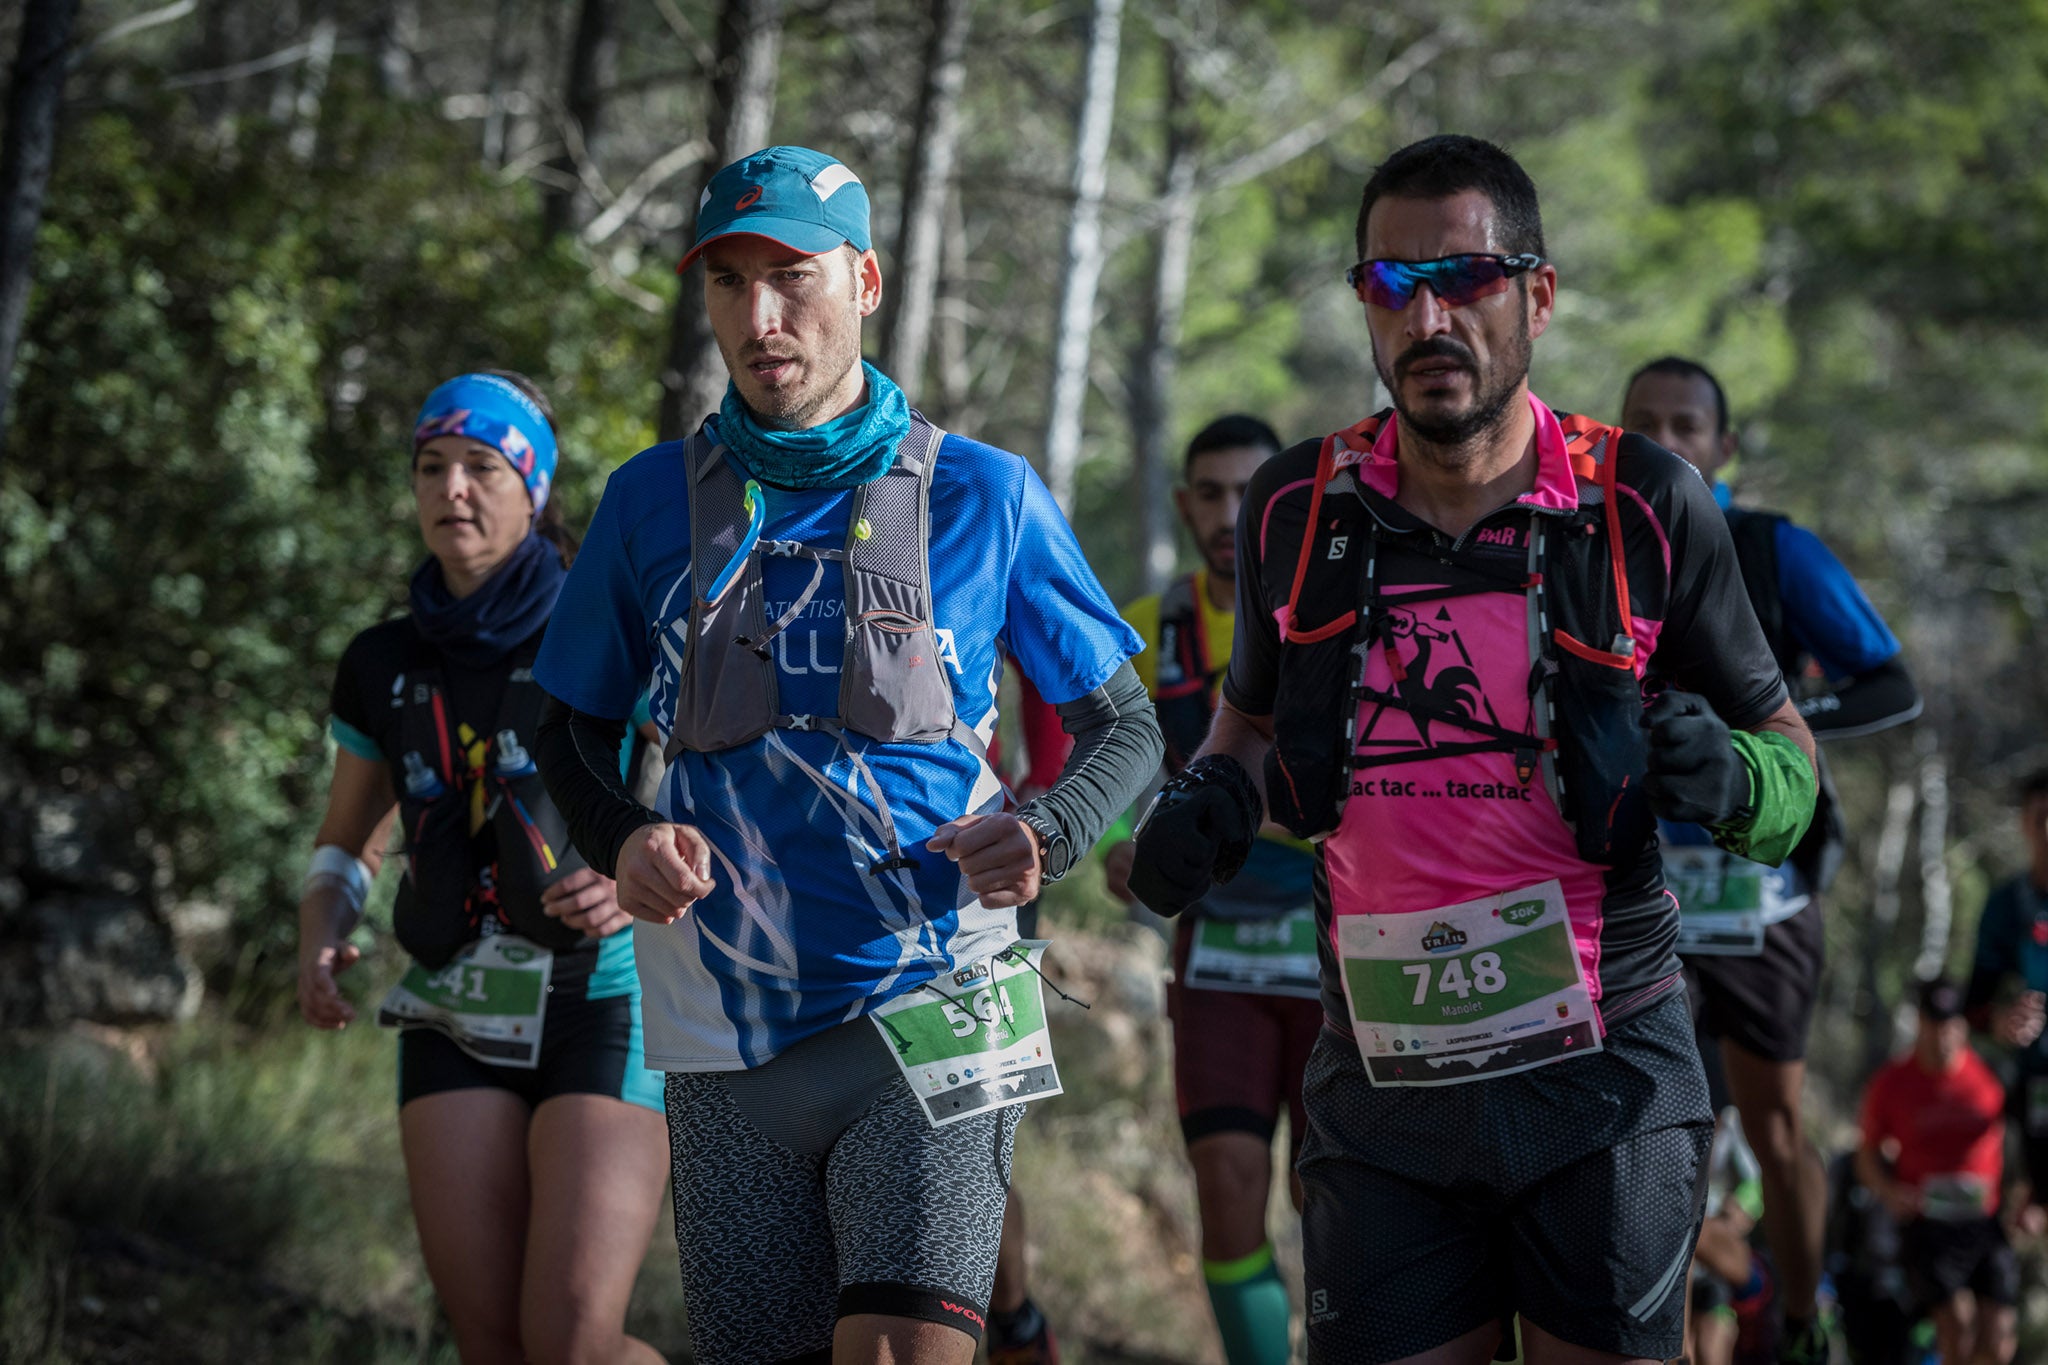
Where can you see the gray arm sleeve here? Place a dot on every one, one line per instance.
(1117, 749)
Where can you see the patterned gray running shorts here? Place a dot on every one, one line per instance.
(814, 1188)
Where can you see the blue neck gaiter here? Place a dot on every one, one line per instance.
(508, 607)
(845, 452)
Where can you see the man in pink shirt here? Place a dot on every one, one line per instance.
(1480, 646)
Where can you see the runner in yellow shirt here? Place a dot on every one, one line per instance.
(1243, 998)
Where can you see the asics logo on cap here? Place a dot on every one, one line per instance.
(749, 199)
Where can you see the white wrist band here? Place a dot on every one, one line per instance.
(335, 866)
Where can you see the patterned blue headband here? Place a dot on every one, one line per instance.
(486, 408)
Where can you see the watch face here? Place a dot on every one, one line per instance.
(1055, 853)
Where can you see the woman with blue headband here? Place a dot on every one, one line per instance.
(533, 1141)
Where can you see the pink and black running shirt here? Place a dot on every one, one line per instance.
(1439, 830)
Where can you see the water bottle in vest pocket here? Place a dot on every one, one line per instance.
(534, 853)
(429, 917)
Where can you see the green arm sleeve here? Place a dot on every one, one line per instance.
(1782, 788)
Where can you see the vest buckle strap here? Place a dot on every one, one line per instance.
(796, 549)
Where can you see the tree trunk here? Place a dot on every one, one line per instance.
(396, 37)
(283, 104)
(1884, 921)
(1081, 268)
(907, 330)
(1158, 357)
(217, 49)
(312, 87)
(1937, 909)
(593, 64)
(955, 367)
(499, 62)
(743, 109)
(28, 149)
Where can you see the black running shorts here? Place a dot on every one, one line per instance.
(1570, 1194)
(1943, 1259)
(588, 1047)
(1764, 1004)
(814, 1188)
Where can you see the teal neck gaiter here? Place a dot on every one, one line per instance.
(843, 453)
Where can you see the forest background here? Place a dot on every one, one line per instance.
(272, 227)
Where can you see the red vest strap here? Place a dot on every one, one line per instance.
(1595, 450)
(1291, 631)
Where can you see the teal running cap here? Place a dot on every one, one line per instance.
(802, 199)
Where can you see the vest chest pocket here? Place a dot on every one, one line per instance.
(894, 686)
(903, 695)
(727, 698)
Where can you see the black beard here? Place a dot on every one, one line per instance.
(1489, 410)
(1225, 572)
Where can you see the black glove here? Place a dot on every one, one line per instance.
(1197, 832)
(1695, 774)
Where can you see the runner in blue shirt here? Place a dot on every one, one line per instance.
(1753, 957)
(819, 590)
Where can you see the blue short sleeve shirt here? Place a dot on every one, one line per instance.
(1826, 609)
(799, 934)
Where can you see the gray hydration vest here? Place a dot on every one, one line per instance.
(892, 681)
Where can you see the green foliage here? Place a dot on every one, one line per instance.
(271, 1152)
(205, 494)
(1640, 278)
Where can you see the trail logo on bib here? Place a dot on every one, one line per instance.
(1442, 938)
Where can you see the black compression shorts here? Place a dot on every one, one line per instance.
(1764, 1004)
(588, 1047)
(1942, 1259)
(1570, 1194)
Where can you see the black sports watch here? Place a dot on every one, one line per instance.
(1055, 850)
